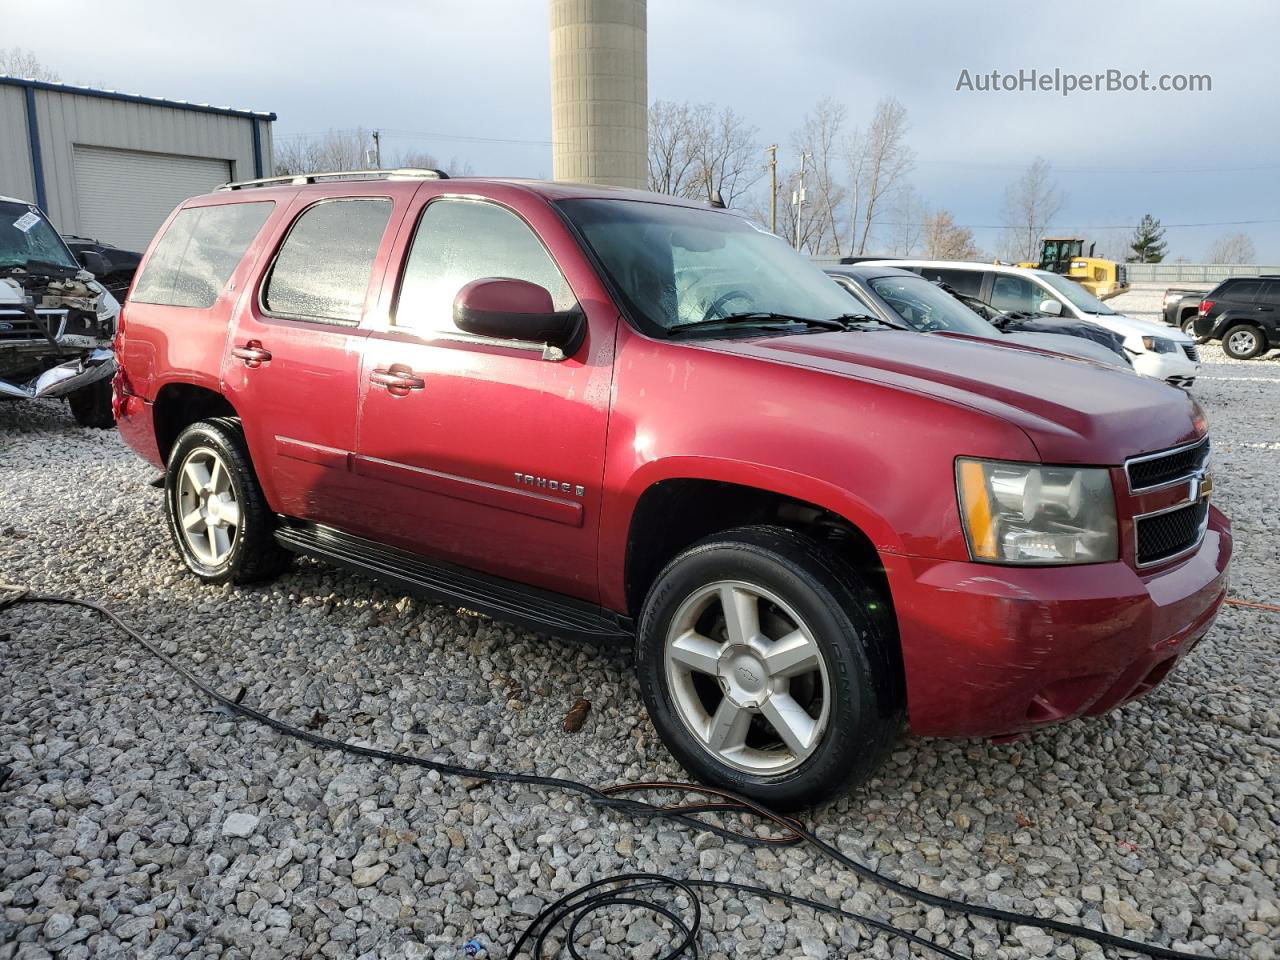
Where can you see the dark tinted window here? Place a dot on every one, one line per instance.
(1271, 293)
(1243, 290)
(463, 240)
(323, 267)
(967, 282)
(195, 258)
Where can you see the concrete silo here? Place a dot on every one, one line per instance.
(599, 91)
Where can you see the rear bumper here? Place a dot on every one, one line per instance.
(993, 651)
(136, 424)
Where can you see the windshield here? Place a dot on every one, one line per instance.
(25, 235)
(1077, 295)
(682, 265)
(926, 306)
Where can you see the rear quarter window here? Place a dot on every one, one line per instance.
(1243, 290)
(966, 282)
(194, 259)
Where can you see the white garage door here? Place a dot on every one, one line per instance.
(125, 195)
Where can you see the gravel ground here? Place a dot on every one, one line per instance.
(139, 822)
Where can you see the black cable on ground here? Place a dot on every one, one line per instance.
(624, 890)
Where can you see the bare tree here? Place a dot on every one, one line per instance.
(945, 240)
(672, 166)
(1232, 248)
(334, 150)
(425, 160)
(1030, 204)
(700, 151)
(19, 62)
(908, 224)
(879, 162)
(825, 194)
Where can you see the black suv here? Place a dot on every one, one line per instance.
(1244, 313)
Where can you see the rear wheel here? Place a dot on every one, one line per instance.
(1189, 325)
(766, 668)
(218, 516)
(91, 405)
(1244, 342)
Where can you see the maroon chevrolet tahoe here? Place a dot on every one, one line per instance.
(610, 414)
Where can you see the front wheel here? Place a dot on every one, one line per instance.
(767, 669)
(218, 516)
(1244, 342)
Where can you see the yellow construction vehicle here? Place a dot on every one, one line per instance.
(1065, 255)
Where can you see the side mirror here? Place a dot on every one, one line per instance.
(515, 310)
(1051, 306)
(94, 262)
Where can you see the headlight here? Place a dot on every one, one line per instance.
(1159, 345)
(1027, 513)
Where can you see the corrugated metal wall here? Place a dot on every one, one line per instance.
(69, 119)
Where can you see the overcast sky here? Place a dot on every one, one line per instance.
(469, 80)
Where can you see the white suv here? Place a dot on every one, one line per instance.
(1156, 350)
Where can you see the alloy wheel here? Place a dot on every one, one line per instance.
(747, 677)
(1242, 341)
(207, 509)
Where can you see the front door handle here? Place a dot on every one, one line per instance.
(252, 353)
(398, 379)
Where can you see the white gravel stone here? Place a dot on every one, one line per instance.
(239, 825)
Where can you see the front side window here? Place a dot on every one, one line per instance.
(1014, 294)
(675, 266)
(458, 241)
(1076, 295)
(322, 270)
(195, 258)
(28, 240)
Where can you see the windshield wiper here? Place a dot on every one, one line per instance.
(848, 318)
(757, 317)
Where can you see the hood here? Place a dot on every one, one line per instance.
(1071, 346)
(1131, 327)
(1072, 411)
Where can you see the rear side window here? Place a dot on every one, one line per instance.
(194, 259)
(458, 241)
(323, 267)
(1243, 290)
(1271, 294)
(966, 282)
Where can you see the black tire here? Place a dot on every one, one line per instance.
(1244, 341)
(254, 554)
(1189, 326)
(91, 405)
(846, 618)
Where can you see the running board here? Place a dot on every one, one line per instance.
(538, 610)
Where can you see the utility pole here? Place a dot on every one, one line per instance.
(773, 187)
(797, 199)
(377, 151)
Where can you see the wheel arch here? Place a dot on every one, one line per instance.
(179, 404)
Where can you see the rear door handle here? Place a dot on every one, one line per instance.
(398, 379)
(252, 353)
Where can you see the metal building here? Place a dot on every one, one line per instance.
(599, 91)
(113, 165)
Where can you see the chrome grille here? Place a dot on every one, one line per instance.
(16, 325)
(1169, 466)
(1165, 535)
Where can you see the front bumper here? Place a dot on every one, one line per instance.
(992, 651)
(96, 364)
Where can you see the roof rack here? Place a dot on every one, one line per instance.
(299, 179)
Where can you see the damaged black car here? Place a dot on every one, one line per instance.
(56, 320)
